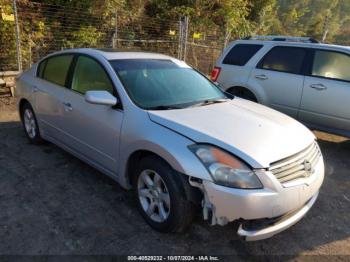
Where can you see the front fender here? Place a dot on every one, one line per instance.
(165, 143)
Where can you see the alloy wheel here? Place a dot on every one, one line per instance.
(153, 195)
(29, 123)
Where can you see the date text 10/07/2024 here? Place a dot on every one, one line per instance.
(173, 258)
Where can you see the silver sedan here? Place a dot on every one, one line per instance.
(156, 125)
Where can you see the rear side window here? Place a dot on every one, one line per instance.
(284, 59)
(56, 69)
(240, 54)
(41, 68)
(332, 65)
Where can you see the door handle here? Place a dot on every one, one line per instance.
(318, 87)
(35, 89)
(68, 106)
(261, 77)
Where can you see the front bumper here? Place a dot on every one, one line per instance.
(274, 200)
(279, 226)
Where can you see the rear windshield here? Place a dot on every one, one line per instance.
(240, 54)
(154, 83)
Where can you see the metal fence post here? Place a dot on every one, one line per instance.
(227, 37)
(325, 29)
(179, 54)
(18, 39)
(185, 38)
(115, 37)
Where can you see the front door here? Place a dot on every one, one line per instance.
(93, 130)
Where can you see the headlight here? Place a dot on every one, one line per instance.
(226, 169)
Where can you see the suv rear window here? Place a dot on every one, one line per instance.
(240, 54)
(284, 59)
(332, 65)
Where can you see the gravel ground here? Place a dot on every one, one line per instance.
(52, 203)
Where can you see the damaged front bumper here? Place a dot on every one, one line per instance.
(251, 232)
(279, 206)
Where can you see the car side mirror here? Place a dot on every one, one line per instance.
(100, 98)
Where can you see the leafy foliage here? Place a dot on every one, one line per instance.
(222, 20)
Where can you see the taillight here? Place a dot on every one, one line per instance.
(215, 74)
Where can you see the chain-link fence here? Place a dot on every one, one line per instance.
(30, 30)
(140, 33)
(44, 28)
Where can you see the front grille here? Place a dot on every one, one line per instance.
(297, 166)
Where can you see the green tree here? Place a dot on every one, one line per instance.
(7, 38)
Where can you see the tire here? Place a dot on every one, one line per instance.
(30, 124)
(243, 93)
(156, 183)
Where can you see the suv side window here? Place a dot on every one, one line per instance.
(240, 54)
(56, 69)
(284, 59)
(332, 65)
(90, 75)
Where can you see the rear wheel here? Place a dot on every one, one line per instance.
(243, 93)
(160, 196)
(30, 124)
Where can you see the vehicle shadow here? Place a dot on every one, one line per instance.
(53, 203)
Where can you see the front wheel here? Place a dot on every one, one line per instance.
(160, 196)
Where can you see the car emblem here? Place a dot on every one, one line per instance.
(308, 168)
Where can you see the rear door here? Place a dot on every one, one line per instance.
(326, 95)
(49, 89)
(279, 76)
(93, 131)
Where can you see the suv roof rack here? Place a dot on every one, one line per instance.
(282, 38)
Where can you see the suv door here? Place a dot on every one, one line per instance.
(326, 96)
(279, 76)
(93, 130)
(49, 89)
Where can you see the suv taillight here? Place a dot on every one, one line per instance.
(215, 74)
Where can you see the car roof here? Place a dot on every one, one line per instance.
(291, 43)
(112, 54)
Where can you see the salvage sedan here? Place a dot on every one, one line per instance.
(161, 128)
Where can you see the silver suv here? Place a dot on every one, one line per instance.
(297, 76)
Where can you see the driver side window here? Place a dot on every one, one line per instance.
(89, 75)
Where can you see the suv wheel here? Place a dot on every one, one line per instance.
(243, 93)
(160, 196)
(30, 124)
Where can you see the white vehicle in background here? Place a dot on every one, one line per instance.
(156, 125)
(295, 75)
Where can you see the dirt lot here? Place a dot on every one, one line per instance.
(52, 203)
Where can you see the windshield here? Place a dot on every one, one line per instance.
(162, 84)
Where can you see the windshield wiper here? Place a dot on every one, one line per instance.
(210, 101)
(181, 106)
(164, 107)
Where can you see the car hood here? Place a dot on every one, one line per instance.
(255, 133)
